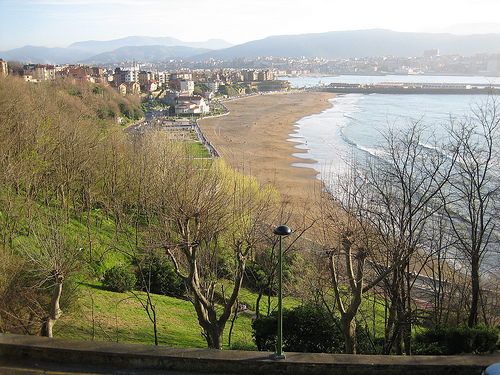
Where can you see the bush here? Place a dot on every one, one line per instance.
(310, 329)
(305, 329)
(456, 340)
(159, 275)
(119, 279)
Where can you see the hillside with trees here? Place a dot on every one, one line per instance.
(79, 197)
(54, 138)
(397, 260)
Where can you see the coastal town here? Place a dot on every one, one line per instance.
(431, 62)
(189, 86)
(188, 91)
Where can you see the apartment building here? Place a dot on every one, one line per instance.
(181, 76)
(265, 75)
(187, 87)
(40, 72)
(3, 68)
(119, 77)
(144, 77)
(162, 78)
(132, 75)
(213, 86)
(250, 75)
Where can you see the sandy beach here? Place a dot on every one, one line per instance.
(254, 139)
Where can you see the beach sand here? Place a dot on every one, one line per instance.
(254, 139)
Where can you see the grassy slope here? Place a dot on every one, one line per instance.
(107, 316)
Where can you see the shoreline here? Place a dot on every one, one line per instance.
(254, 138)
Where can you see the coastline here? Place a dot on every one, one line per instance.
(254, 138)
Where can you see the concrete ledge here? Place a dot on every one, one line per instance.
(131, 356)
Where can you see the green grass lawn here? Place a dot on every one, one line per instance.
(119, 317)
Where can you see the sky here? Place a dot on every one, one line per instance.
(58, 23)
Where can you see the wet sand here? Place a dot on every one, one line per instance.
(254, 139)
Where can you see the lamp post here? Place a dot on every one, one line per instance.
(281, 231)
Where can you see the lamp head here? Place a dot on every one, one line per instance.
(282, 230)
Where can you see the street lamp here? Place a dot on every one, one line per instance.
(280, 231)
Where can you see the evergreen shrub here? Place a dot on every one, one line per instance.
(119, 278)
(306, 328)
(159, 276)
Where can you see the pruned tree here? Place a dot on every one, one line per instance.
(206, 217)
(50, 260)
(350, 241)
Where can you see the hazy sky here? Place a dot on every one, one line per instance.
(58, 23)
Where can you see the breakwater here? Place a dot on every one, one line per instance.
(410, 89)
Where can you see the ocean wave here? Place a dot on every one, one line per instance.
(376, 152)
(437, 149)
(429, 147)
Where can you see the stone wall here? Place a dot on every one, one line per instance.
(114, 357)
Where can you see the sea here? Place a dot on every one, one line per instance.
(354, 125)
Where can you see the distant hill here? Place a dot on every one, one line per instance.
(145, 54)
(96, 47)
(331, 45)
(44, 55)
(359, 43)
(85, 51)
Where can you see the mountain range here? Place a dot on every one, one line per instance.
(141, 48)
(330, 45)
(360, 43)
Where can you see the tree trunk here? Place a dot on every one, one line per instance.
(235, 316)
(55, 311)
(348, 327)
(257, 305)
(389, 328)
(213, 327)
(472, 320)
(213, 333)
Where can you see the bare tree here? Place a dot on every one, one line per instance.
(471, 204)
(51, 259)
(395, 195)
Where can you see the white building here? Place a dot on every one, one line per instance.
(187, 87)
(132, 75)
(182, 75)
(213, 86)
(163, 78)
(191, 105)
